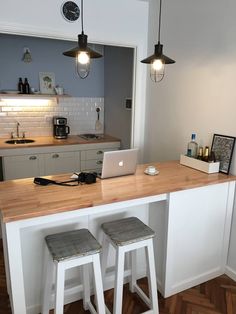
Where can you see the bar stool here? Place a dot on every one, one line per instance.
(68, 250)
(128, 235)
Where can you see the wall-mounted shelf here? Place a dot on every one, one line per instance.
(32, 96)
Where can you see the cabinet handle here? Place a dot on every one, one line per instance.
(99, 152)
(55, 156)
(99, 162)
(32, 158)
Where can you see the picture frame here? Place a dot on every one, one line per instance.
(223, 147)
(47, 83)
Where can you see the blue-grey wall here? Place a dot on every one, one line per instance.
(47, 57)
(118, 87)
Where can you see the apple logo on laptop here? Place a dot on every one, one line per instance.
(121, 163)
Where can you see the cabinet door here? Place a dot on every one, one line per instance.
(56, 163)
(16, 167)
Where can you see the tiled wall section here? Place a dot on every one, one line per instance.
(35, 115)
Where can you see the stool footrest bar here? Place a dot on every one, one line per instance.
(91, 308)
(142, 295)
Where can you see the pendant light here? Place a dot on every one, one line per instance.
(82, 53)
(158, 60)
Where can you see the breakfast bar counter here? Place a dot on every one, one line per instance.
(21, 199)
(189, 210)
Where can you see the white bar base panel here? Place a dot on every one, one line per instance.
(193, 229)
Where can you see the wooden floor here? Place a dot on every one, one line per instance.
(217, 296)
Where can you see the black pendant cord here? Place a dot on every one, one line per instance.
(82, 16)
(159, 30)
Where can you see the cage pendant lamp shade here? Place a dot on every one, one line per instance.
(158, 60)
(158, 54)
(82, 47)
(157, 63)
(82, 53)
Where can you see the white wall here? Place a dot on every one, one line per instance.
(118, 82)
(198, 93)
(122, 22)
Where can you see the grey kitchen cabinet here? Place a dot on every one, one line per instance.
(61, 162)
(16, 167)
(54, 160)
(25, 166)
(91, 160)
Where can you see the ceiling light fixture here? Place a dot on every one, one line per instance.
(82, 53)
(158, 60)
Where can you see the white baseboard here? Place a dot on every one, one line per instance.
(230, 272)
(193, 281)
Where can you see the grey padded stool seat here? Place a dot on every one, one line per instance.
(127, 235)
(68, 250)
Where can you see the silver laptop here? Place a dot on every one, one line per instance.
(119, 163)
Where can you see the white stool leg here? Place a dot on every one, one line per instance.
(47, 282)
(152, 277)
(86, 286)
(118, 291)
(104, 256)
(59, 293)
(133, 276)
(98, 285)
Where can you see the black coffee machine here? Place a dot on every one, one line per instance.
(60, 127)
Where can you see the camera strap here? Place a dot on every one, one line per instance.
(83, 178)
(43, 181)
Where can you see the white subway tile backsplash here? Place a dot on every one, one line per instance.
(35, 118)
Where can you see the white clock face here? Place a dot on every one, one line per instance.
(70, 11)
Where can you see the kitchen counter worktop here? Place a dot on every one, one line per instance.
(22, 199)
(51, 141)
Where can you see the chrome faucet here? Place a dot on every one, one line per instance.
(17, 129)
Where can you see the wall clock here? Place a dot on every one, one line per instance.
(70, 11)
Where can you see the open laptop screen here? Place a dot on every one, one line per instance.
(119, 163)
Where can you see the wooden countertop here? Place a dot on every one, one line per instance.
(51, 141)
(22, 199)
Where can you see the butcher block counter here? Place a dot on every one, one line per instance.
(190, 211)
(22, 199)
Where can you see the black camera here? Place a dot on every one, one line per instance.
(87, 177)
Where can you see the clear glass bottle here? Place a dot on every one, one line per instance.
(193, 147)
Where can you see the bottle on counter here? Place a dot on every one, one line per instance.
(20, 86)
(26, 86)
(212, 157)
(192, 147)
(206, 154)
(200, 153)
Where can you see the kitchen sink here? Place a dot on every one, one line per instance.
(19, 141)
